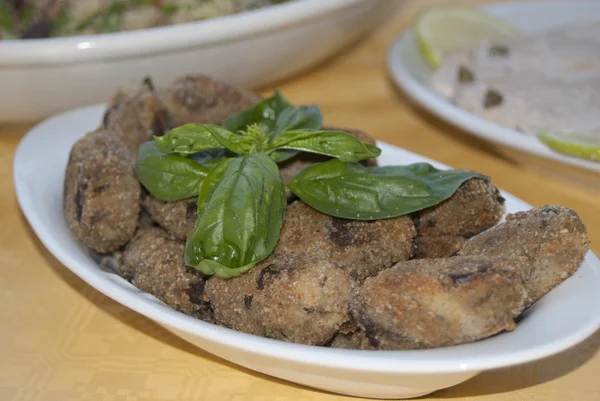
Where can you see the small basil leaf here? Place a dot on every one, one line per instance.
(280, 156)
(188, 139)
(372, 148)
(339, 144)
(298, 117)
(353, 191)
(236, 143)
(263, 113)
(240, 223)
(169, 177)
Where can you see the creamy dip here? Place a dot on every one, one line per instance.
(530, 83)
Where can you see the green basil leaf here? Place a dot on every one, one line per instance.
(339, 144)
(169, 177)
(240, 144)
(263, 113)
(298, 117)
(209, 155)
(189, 139)
(240, 223)
(280, 156)
(211, 182)
(353, 191)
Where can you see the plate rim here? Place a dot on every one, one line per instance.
(467, 121)
(445, 360)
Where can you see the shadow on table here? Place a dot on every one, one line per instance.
(140, 323)
(526, 375)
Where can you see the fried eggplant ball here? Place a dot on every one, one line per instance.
(551, 241)
(429, 303)
(154, 263)
(204, 100)
(290, 168)
(298, 298)
(443, 229)
(350, 337)
(177, 217)
(361, 248)
(136, 117)
(348, 340)
(101, 194)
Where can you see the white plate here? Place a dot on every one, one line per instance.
(410, 71)
(39, 168)
(42, 77)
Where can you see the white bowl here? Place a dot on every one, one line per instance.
(564, 317)
(411, 72)
(39, 78)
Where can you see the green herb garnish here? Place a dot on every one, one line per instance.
(241, 196)
(170, 177)
(353, 191)
(240, 222)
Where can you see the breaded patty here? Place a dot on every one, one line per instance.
(355, 339)
(136, 117)
(348, 341)
(551, 241)
(298, 298)
(362, 248)
(177, 217)
(438, 246)
(101, 194)
(443, 229)
(204, 100)
(154, 263)
(431, 303)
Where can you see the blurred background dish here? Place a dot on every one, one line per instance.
(410, 70)
(36, 19)
(42, 77)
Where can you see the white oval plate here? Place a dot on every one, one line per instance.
(410, 71)
(39, 169)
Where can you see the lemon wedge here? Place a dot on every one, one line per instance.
(444, 29)
(587, 147)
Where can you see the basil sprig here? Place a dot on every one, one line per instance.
(277, 115)
(353, 191)
(241, 197)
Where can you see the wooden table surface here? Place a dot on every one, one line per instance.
(61, 340)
